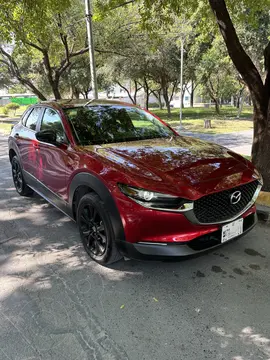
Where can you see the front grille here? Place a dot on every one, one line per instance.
(217, 207)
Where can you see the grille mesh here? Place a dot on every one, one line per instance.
(217, 207)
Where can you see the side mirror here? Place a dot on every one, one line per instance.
(47, 136)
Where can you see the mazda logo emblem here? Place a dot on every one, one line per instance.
(235, 197)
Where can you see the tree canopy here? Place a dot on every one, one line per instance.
(228, 15)
(140, 40)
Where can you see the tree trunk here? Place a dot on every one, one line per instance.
(167, 101)
(239, 96)
(146, 100)
(75, 93)
(241, 105)
(128, 92)
(238, 101)
(137, 89)
(192, 94)
(146, 94)
(207, 124)
(259, 91)
(55, 89)
(160, 104)
(183, 96)
(261, 146)
(31, 86)
(157, 94)
(217, 105)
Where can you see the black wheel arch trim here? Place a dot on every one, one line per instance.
(87, 179)
(13, 146)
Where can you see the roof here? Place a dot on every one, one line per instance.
(71, 103)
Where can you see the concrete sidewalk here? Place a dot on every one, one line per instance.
(12, 120)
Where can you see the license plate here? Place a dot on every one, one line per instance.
(232, 230)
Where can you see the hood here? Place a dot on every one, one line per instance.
(199, 166)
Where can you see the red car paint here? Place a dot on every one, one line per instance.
(181, 166)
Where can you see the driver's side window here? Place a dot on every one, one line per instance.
(52, 121)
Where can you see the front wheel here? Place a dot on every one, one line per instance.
(20, 184)
(96, 230)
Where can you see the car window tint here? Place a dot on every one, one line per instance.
(111, 124)
(32, 119)
(141, 119)
(52, 121)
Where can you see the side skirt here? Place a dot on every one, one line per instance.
(47, 194)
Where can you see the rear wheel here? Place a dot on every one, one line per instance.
(18, 179)
(96, 230)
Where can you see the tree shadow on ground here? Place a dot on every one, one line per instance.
(58, 304)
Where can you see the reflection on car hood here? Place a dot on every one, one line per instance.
(181, 161)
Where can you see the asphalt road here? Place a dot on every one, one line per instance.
(57, 304)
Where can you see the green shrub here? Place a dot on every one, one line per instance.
(5, 111)
(155, 105)
(11, 106)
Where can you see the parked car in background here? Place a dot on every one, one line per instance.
(133, 185)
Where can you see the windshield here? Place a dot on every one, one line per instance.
(103, 124)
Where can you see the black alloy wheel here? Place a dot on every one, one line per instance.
(17, 175)
(93, 231)
(96, 230)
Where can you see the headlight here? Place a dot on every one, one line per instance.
(155, 200)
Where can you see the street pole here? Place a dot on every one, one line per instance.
(181, 83)
(88, 15)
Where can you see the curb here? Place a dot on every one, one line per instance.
(9, 121)
(264, 198)
(263, 213)
(263, 206)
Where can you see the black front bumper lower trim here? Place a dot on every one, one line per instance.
(173, 251)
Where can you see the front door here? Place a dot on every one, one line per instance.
(27, 142)
(52, 159)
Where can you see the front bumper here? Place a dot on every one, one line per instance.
(163, 251)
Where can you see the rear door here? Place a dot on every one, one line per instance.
(52, 159)
(27, 142)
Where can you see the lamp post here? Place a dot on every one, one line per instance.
(88, 15)
(181, 83)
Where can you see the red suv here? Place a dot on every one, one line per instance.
(133, 185)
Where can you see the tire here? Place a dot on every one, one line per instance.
(96, 230)
(19, 182)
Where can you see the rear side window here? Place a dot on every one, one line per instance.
(32, 119)
(25, 116)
